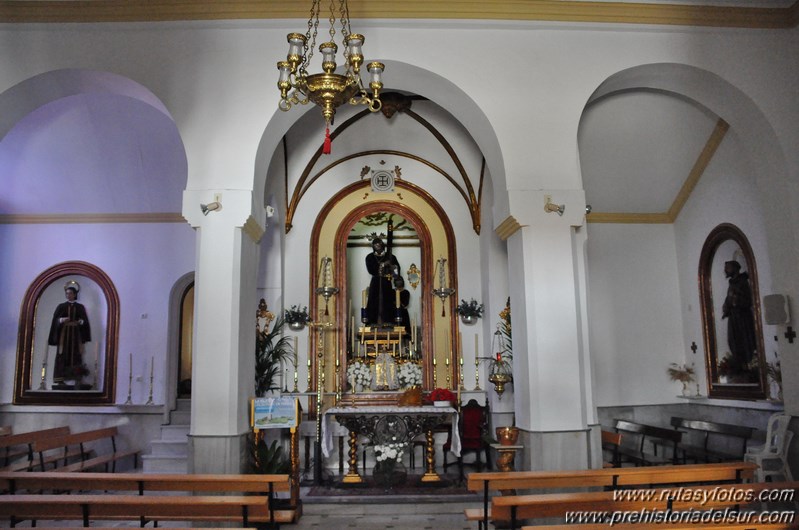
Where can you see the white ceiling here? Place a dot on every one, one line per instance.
(638, 148)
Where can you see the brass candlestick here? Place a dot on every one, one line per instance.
(130, 380)
(477, 373)
(150, 399)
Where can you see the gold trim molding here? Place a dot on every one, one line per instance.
(702, 161)
(28, 11)
(507, 228)
(91, 218)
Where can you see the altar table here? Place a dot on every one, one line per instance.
(392, 424)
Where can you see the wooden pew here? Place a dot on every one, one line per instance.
(18, 454)
(606, 478)
(611, 441)
(708, 431)
(75, 447)
(637, 453)
(145, 508)
(517, 507)
(667, 526)
(149, 485)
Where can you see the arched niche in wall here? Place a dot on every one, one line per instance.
(35, 380)
(433, 238)
(731, 318)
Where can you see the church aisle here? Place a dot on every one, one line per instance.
(401, 515)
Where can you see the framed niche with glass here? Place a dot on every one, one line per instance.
(67, 341)
(731, 316)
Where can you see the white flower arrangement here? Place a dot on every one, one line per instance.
(359, 376)
(389, 451)
(410, 375)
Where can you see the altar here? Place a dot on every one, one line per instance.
(389, 424)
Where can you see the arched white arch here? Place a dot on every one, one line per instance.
(409, 78)
(25, 97)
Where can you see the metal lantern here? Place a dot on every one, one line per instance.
(501, 370)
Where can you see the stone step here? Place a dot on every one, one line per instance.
(174, 432)
(168, 448)
(183, 404)
(164, 464)
(180, 417)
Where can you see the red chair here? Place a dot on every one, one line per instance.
(473, 429)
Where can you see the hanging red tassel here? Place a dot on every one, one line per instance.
(328, 143)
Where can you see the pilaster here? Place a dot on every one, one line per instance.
(552, 375)
(223, 363)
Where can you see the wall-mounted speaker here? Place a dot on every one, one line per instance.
(775, 309)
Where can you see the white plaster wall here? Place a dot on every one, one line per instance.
(635, 326)
(142, 260)
(211, 76)
(726, 193)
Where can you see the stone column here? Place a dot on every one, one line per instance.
(552, 375)
(223, 363)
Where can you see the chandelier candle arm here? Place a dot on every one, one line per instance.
(328, 90)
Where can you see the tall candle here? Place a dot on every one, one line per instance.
(476, 352)
(363, 297)
(329, 273)
(152, 367)
(295, 352)
(130, 364)
(397, 291)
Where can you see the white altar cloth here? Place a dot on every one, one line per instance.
(329, 424)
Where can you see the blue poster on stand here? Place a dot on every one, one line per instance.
(274, 413)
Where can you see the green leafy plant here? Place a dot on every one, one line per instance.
(271, 350)
(270, 459)
(472, 308)
(297, 314)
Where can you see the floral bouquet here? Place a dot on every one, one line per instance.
(442, 394)
(296, 314)
(409, 375)
(359, 376)
(389, 451)
(472, 308)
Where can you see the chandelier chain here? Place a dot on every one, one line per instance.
(328, 89)
(313, 24)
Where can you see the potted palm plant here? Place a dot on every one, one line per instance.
(271, 350)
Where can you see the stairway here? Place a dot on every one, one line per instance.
(169, 454)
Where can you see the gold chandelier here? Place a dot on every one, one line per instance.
(327, 89)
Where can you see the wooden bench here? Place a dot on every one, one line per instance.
(705, 450)
(608, 504)
(259, 507)
(611, 441)
(18, 453)
(636, 451)
(75, 448)
(667, 526)
(606, 479)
